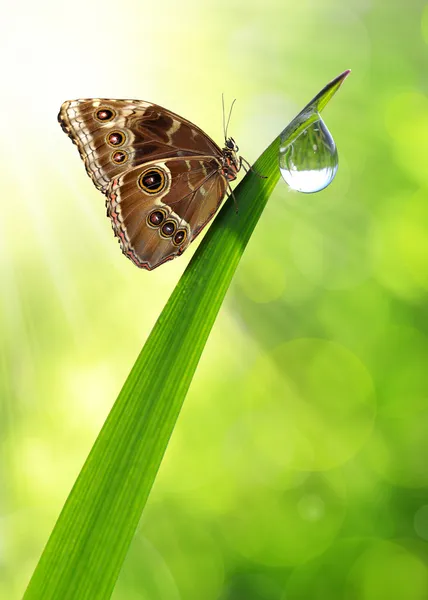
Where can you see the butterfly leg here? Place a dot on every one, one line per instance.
(233, 196)
(247, 167)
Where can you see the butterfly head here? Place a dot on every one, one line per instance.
(231, 145)
(231, 160)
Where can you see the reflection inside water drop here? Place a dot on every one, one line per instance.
(309, 163)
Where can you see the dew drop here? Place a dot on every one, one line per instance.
(309, 163)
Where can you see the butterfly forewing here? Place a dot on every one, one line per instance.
(116, 135)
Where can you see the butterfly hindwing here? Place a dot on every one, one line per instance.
(158, 208)
(114, 136)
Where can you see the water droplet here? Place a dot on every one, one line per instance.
(309, 163)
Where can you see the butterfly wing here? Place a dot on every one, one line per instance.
(158, 208)
(114, 136)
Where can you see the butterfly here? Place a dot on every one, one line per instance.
(163, 177)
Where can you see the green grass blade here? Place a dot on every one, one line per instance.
(310, 113)
(88, 545)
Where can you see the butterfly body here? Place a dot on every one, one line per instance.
(163, 177)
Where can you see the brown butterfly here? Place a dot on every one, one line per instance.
(164, 178)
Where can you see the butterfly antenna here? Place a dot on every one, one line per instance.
(228, 120)
(224, 121)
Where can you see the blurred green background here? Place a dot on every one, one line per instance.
(299, 465)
